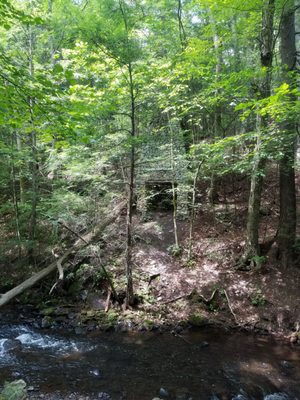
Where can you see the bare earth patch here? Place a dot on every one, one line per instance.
(266, 300)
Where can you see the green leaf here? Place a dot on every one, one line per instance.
(57, 69)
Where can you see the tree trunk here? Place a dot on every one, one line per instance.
(287, 221)
(128, 256)
(252, 251)
(212, 194)
(34, 161)
(193, 206)
(130, 192)
(173, 183)
(15, 201)
(79, 244)
(182, 34)
(20, 172)
(254, 203)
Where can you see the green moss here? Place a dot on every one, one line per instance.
(104, 320)
(112, 316)
(148, 323)
(48, 311)
(197, 320)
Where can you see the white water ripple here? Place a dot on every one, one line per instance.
(36, 340)
(2, 348)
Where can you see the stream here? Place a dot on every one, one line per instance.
(205, 364)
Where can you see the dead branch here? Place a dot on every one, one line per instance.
(82, 242)
(107, 303)
(194, 293)
(63, 224)
(177, 298)
(210, 299)
(230, 308)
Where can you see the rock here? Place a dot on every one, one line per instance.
(239, 397)
(79, 330)
(204, 344)
(293, 338)
(163, 392)
(47, 322)
(286, 364)
(277, 396)
(104, 396)
(182, 394)
(12, 344)
(16, 374)
(95, 372)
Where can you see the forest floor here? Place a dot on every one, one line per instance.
(265, 299)
(174, 293)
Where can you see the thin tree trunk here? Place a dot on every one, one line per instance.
(174, 196)
(16, 207)
(130, 194)
(182, 34)
(128, 256)
(34, 161)
(217, 118)
(20, 174)
(287, 222)
(192, 217)
(173, 183)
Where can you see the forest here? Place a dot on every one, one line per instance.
(149, 163)
(149, 175)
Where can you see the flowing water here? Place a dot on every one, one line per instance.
(207, 364)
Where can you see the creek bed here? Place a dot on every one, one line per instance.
(203, 364)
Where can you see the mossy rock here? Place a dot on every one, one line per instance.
(48, 311)
(15, 390)
(105, 320)
(197, 320)
(108, 320)
(75, 288)
(149, 323)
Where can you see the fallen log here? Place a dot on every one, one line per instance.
(80, 243)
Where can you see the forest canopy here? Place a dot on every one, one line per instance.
(113, 100)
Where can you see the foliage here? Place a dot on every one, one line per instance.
(175, 251)
(77, 78)
(15, 390)
(258, 298)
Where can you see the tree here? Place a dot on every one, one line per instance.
(287, 222)
(267, 42)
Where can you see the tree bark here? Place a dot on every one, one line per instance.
(252, 251)
(193, 206)
(174, 191)
(34, 158)
(79, 244)
(287, 221)
(182, 34)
